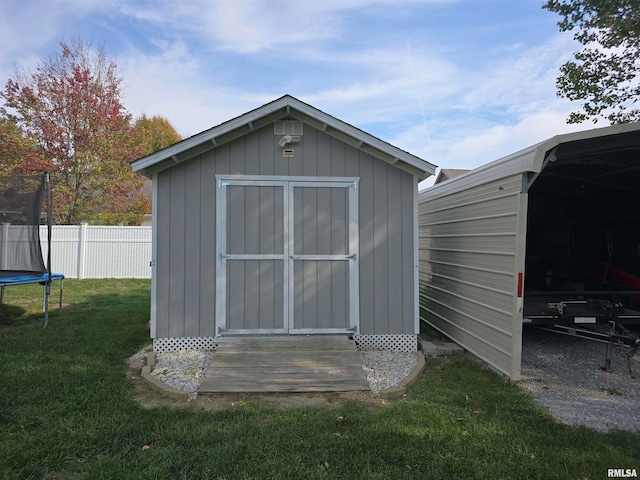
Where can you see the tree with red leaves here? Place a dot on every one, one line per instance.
(68, 112)
(18, 155)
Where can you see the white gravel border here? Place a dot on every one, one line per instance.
(386, 369)
(183, 370)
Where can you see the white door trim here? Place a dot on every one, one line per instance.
(288, 184)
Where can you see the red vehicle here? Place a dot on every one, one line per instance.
(609, 260)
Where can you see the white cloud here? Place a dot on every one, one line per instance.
(200, 63)
(382, 85)
(261, 25)
(243, 27)
(488, 142)
(174, 84)
(449, 114)
(500, 140)
(520, 78)
(27, 25)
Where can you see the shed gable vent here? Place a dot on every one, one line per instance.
(287, 127)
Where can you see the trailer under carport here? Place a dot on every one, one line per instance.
(548, 235)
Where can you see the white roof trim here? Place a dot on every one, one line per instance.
(288, 104)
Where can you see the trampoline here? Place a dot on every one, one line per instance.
(21, 259)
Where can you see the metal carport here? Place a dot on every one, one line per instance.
(488, 237)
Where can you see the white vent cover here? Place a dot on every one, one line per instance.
(287, 127)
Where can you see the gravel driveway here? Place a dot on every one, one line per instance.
(564, 373)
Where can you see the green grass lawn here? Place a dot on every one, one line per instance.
(67, 411)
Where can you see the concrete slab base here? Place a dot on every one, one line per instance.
(437, 348)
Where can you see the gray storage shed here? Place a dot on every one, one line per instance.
(492, 240)
(284, 220)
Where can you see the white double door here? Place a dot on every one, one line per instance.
(287, 255)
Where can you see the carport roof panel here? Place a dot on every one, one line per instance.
(531, 159)
(283, 107)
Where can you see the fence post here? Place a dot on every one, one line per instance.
(82, 249)
(4, 259)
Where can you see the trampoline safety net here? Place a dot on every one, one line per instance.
(21, 200)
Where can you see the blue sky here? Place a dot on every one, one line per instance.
(457, 82)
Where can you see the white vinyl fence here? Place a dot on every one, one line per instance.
(87, 251)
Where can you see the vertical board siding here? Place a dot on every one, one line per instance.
(310, 152)
(321, 294)
(339, 228)
(408, 255)
(192, 244)
(177, 234)
(380, 248)
(385, 231)
(338, 157)
(321, 228)
(207, 251)
(236, 296)
(164, 252)
(325, 301)
(367, 251)
(468, 264)
(339, 272)
(271, 220)
(238, 219)
(394, 251)
(250, 298)
(255, 226)
(267, 307)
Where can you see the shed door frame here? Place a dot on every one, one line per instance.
(288, 184)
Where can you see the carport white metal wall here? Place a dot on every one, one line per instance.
(472, 246)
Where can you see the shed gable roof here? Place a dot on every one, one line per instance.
(284, 107)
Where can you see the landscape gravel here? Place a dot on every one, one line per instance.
(565, 374)
(185, 370)
(386, 369)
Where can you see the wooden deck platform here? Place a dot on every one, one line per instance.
(296, 363)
